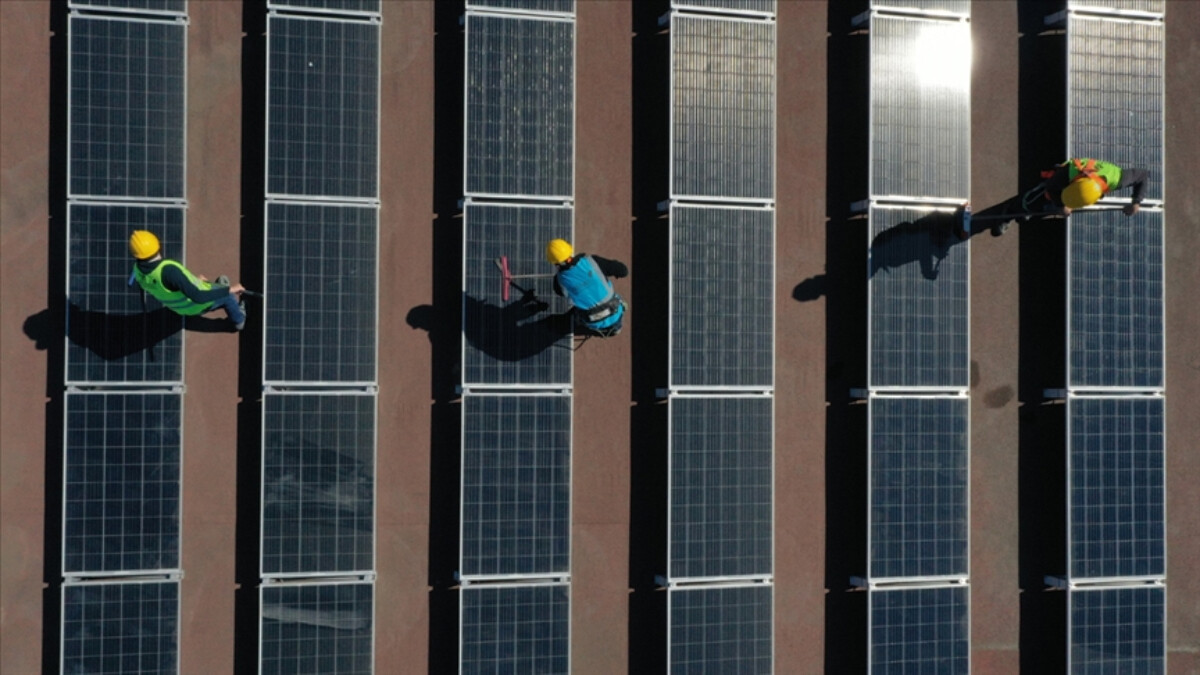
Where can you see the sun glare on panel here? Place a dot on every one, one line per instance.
(942, 56)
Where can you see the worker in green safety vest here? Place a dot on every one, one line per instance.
(177, 288)
(1074, 184)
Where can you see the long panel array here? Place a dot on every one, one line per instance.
(918, 339)
(1115, 405)
(320, 337)
(519, 187)
(123, 405)
(719, 572)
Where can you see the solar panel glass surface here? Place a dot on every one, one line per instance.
(721, 486)
(515, 629)
(126, 110)
(517, 341)
(558, 6)
(721, 629)
(113, 334)
(318, 491)
(919, 300)
(1118, 630)
(1156, 6)
(172, 6)
(1115, 309)
(1117, 487)
(349, 6)
(317, 628)
(322, 108)
(921, 630)
(120, 628)
(918, 479)
(755, 6)
(723, 108)
(520, 106)
(516, 485)
(320, 324)
(962, 7)
(122, 484)
(722, 297)
(920, 108)
(1115, 95)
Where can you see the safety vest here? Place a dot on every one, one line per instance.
(597, 303)
(1107, 174)
(176, 301)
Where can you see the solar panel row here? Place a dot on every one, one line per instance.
(1116, 549)
(124, 352)
(518, 183)
(320, 336)
(918, 337)
(721, 375)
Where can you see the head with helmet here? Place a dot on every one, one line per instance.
(558, 251)
(143, 245)
(1083, 191)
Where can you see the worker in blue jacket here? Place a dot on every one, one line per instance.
(584, 280)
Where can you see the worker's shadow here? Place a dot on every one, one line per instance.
(116, 336)
(925, 241)
(512, 332)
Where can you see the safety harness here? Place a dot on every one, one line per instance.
(1081, 169)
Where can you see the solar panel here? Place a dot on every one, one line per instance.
(121, 494)
(1116, 485)
(516, 485)
(520, 106)
(341, 6)
(119, 628)
(920, 630)
(126, 108)
(722, 108)
(919, 300)
(722, 296)
(1115, 304)
(962, 7)
(322, 108)
(918, 479)
(1118, 630)
(321, 287)
(148, 6)
(518, 341)
(920, 108)
(742, 6)
(113, 335)
(316, 628)
(1156, 6)
(318, 483)
(515, 629)
(1115, 95)
(557, 6)
(721, 486)
(721, 629)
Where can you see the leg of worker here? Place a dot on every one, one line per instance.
(235, 310)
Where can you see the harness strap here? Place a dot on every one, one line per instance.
(1089, 170)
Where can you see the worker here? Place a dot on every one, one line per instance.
(584, 280)
(1080, 182)
(177, 288)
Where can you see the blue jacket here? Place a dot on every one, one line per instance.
(585, 283)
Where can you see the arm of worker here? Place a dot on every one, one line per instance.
(174, 279)
(1136, 179)
(1055, 184)
(612, 268)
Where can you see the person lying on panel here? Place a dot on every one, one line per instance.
(584, 280)
(1076, 183)
(177, 288)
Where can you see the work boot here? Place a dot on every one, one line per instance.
(242, 324)
(221, 281)
(1000, 228)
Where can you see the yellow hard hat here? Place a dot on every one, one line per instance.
(143, 245)
(1083, 191)
(558, 251)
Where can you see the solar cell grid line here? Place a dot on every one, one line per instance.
(525, 340)
(1117, 629)
(721, 499)
(320, 295)
(519, 127)
(318, 483)
(121, 483)
(343, 7)
(126, 101)
(514, 628)
(1115, 96)
(561, 7)
(722, 108)
(1116, 487)
(115, 333)
(722, 297)
(721, 628)
(919, 630)
(920, 108)
(117, 628)
(1115, 293)
(317, 628)
(918, 503)
(919, 297)
(139, 6)
(764, 8)
(323, 108)
(516, 486)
